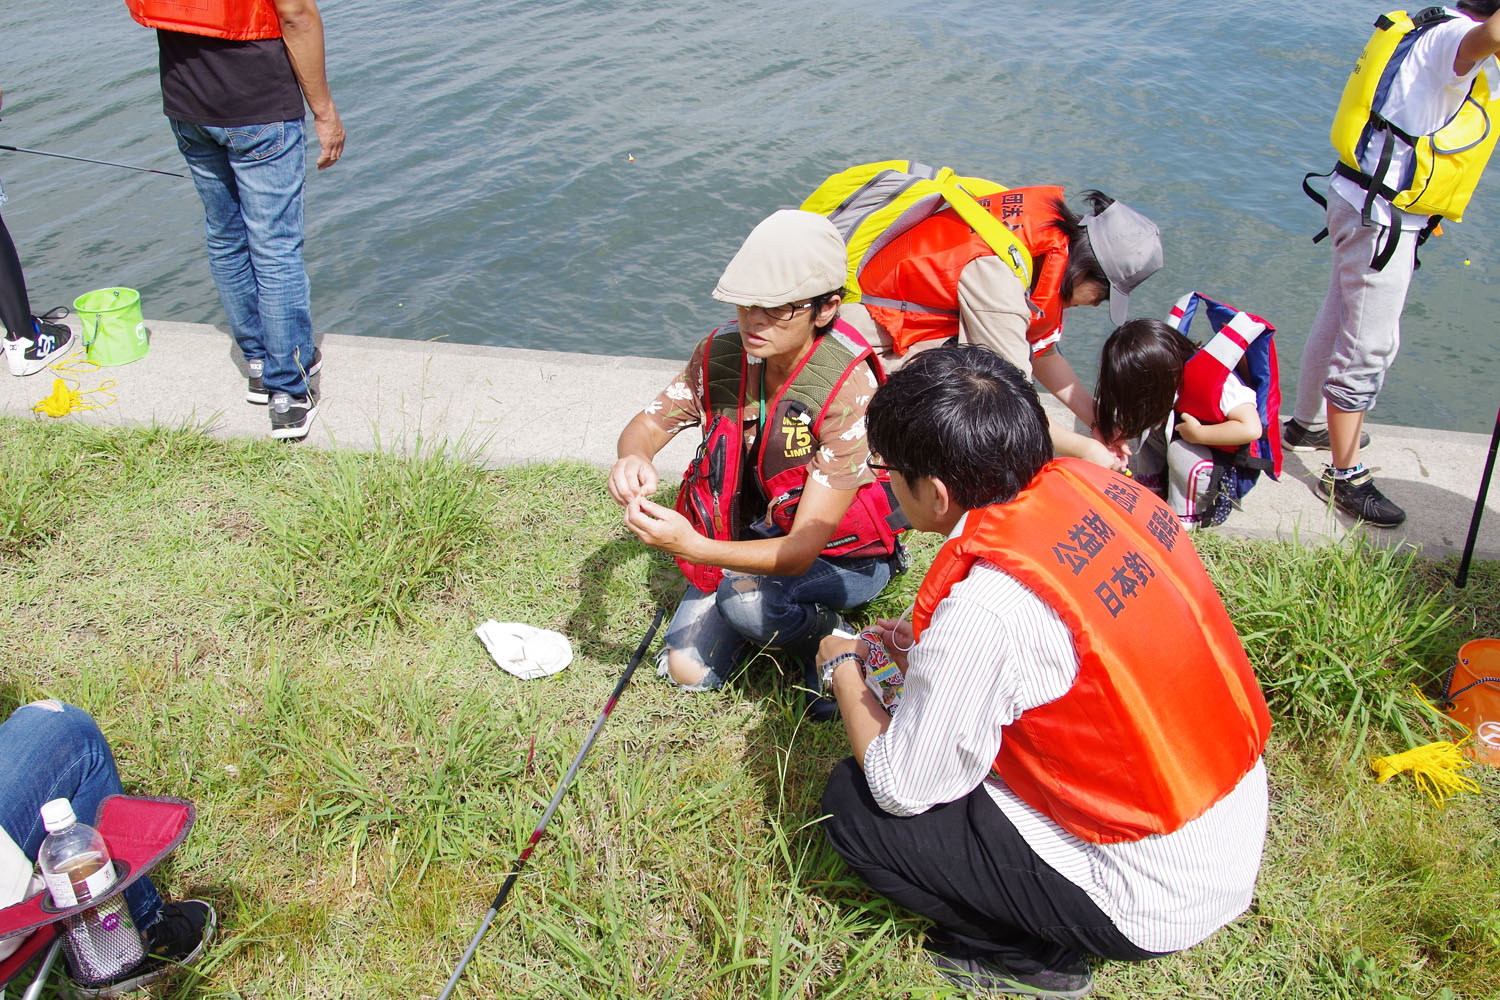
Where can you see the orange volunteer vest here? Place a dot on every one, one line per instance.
(911, 285)
(237, 20)
(1165, 716)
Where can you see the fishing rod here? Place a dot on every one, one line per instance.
(541, 826)
(1484, 489)
(85, 159)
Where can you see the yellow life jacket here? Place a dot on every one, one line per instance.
(873, 203)
(1446, 163)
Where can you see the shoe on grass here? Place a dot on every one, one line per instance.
(1358, 497)
(48, 342)
(1299, 438)
(176, 940)
(292, 416)
(255, 391)
(990, 978)
(819, 702)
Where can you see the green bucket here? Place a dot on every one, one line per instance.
(113, 331)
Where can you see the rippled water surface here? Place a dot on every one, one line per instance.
(488, 192)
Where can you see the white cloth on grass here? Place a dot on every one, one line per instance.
(523, 650)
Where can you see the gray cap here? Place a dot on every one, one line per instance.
(1128, 247)
(788, 257)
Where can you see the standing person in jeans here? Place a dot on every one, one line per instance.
(233, 79)
(1357, 331)
(31, 343)
(48, 751)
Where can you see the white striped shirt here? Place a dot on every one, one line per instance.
(994, 650)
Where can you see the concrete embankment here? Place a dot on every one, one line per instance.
(534, 406)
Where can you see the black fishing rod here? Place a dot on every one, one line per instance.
(85, 159)
(541, 826)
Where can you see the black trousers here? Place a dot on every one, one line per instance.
(15, 308)
(964, 866)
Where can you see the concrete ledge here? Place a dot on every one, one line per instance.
(517, 405)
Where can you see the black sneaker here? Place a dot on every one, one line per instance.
(292, 416)
(820, 705)
(981, 976)
(1298, 438)
(176, 940)
(256, 393)
(29, 355)
(1358, 497)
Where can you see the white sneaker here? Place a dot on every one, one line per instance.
(29, 355)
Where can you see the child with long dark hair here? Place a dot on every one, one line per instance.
(1140, 381)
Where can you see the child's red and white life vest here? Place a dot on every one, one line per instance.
(1243, 343)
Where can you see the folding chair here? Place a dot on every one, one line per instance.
(140, 831)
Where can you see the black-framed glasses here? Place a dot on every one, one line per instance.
(785, 312)
(875, 466)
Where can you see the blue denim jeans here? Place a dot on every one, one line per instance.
(250, 179)
(769, 612)
(48, 751)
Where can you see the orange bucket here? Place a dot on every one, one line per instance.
(1473, 697)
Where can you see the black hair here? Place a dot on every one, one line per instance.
(965, 415)
(1140, 373)
(1082, 264)
(819, 301)
(1482, 9)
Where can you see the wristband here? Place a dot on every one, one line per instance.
(828, 667)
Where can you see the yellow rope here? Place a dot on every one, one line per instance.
(1434, 767)
(65, 399)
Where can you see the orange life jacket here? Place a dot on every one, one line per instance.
(1165, 716)
(711, 484)
(237, 20)
(910, 287)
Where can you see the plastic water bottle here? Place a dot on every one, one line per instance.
(102, 942)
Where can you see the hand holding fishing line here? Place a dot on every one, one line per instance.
(631, 477)
(660, 527)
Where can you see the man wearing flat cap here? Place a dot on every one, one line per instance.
(780, 522)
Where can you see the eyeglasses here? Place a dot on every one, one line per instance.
(875, 466)
(785, 312)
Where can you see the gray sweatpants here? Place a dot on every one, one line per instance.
(1358, 329)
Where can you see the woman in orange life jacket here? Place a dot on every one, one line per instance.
(780, 522)
(1140, 380)
(940, 279)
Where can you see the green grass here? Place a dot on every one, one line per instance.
(284, 636)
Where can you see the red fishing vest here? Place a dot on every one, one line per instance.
(711, 487)
(1165, 716)
(910, 287)
(237, 20)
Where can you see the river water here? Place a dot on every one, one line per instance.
(573, 175)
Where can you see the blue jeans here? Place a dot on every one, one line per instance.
(250, 179)
(48, 751)
(769, 612)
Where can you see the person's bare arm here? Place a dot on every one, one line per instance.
(1241, 425)
(818, 515)
(302, 33)
(864, 718)
(633, 474)
(1482, 41)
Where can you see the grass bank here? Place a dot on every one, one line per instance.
(284, 636)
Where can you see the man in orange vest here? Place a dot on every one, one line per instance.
(1046, 787)
(234, 74)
